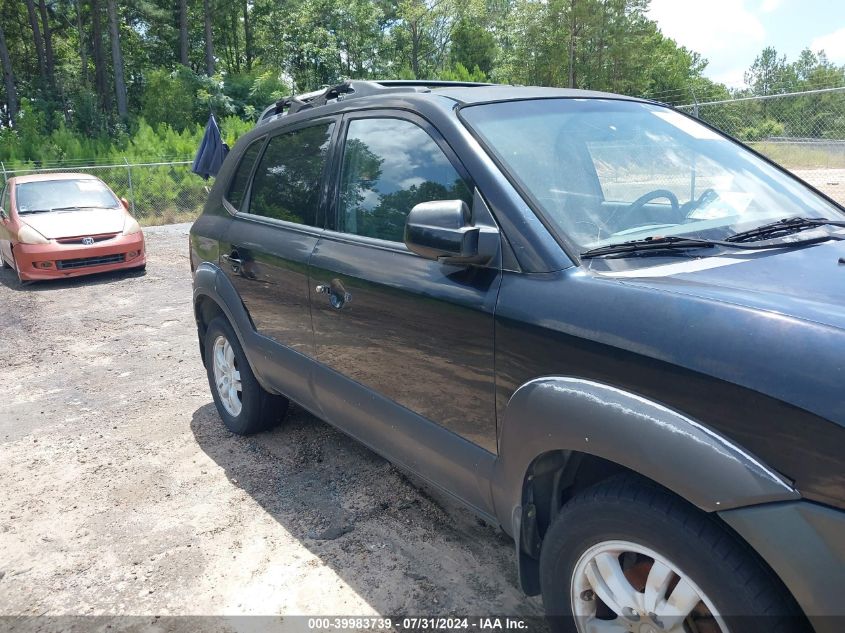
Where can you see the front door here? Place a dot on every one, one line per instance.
(415, 331)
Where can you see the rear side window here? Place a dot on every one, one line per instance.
(389, 166)
(287, 181)
(237, 188)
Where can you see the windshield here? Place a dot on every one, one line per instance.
(47, 195)
(606, 171)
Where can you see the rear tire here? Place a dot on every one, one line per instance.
(244, 406)
(613, 540)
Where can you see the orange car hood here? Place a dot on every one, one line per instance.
(82, 222)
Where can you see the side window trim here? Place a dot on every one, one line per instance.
(262, 142)
(324, 175)
(333, 207)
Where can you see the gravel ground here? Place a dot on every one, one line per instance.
(123, 494)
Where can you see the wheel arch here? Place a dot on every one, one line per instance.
(560, 434)
(215, 296)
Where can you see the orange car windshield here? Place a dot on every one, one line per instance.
(58, 195)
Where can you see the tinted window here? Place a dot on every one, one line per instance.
(237, 188)
(287, 182)
(390, 165)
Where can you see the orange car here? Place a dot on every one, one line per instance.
(64, 225)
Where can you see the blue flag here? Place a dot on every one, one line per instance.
(211, 152)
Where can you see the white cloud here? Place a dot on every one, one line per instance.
(769, 6)
(732, 78)
(707, 27)
(833, 44)
(725, 32)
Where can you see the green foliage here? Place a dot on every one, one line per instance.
(181, 98)
(473, 46)
(459, 73)
(764, 129)
(251, 92)
(265, 49)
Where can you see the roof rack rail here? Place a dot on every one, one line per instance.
(432, 83)
(353, 88)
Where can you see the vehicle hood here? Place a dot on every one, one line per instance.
(75, 223)
(806, 282)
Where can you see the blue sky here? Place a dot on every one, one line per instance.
(731, 33)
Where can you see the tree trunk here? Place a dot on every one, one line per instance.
(183, 33)
(8, 78)
(248, 41)
(573, 30)
(36, 35)
(209, 41)
(117, 61)
(415, 50)
(83, 49)
(48, 43)
(100, 79)
(236, 53)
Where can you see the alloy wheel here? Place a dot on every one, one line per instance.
(622, 586)
(227, 378)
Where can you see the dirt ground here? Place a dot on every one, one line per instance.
(123, 494)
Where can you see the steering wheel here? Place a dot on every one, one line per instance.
(708, 195)
(644, 199)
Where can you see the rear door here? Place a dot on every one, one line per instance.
(414, 331)
(276, 224)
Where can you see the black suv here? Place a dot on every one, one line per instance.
(600, 324)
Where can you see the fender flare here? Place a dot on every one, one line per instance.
(210, 283)
(670, 448)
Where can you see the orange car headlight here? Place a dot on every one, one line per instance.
(28, 235)
(131, 226)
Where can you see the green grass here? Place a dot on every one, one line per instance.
(794, 156)
(169, 217)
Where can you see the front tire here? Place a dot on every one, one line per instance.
(627, 555)
(242, 403)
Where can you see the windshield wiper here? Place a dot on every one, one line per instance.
(669, 242)
(84, 206)
(28, 211)
(786, 226)
(674, 242)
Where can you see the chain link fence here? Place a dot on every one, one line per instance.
(158, 193)
(803, 131)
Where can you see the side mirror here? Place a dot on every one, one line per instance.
(441, 230)
(125, 203)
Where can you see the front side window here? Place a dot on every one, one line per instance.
(286, 185)
(56, 195)
(606, 171)
(390, 165)
(240, 180)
